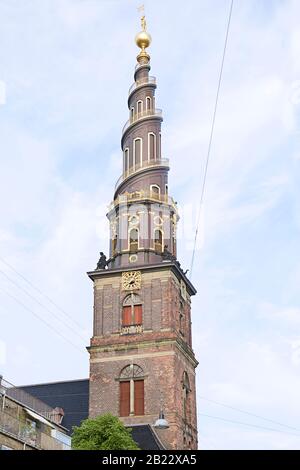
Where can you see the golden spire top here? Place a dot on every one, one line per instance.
(144, 23)
(143, 39)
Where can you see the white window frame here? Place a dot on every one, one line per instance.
(131, 380)
(155, 186)
(149, 156)
(137, 108)
(159, 229)
(141, 153)
(159, 146)
(130, 230)
(126, 159)
(132, 112)
(148, 100)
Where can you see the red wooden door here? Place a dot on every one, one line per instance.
(124, 398)
(139, 397)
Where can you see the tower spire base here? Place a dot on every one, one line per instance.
(143, 58)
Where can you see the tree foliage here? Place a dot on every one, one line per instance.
(105, 432)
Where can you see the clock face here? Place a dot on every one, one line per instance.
(131, 280)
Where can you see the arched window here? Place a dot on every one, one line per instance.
(137, 153)
(151, 146)
(186, 397)
(132, 391)
(158, 240)
(159, 146)
(181, 319)
(132, 313)
(139, 107)
(126, 160)
(148, 103)
(174, 251)
(134, 240)
(114, 245)
(132, 114)
(155, 191)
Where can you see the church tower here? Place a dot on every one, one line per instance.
(141, 357)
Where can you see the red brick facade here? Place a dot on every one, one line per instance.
(162, 350)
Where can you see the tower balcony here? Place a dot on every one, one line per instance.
(142, 82)
(137, 168)
(139, 116)
(142, 195)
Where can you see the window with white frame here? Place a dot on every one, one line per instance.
(132, 391)
(132, 114)
(155, 191)
(159, 146)
(126, 159)
(137, 153)
(139, 107)
(158, 240)
(151, 146)
(134, 240)
(148, 103)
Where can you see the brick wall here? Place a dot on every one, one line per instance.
(161, 351)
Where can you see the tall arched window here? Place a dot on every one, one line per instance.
(151, 146)
(181, 319)
(131, 114)
(139, 107)
(132, 313)
(126, 159)
(155, 191)
(148, 103)
(159, 146)
(114, 245)
(132, 391)
(134, 240)
(158, 240)
(137, 153)
(186, 397)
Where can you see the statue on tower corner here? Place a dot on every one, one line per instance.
(102, 263)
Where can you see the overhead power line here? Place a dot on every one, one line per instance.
(249, 413)
(41, 292)
(42, 305)
(211, 135)
(248, 424)
(42, 320)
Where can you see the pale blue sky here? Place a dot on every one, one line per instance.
(67, 66)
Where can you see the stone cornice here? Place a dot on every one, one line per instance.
(98, 274)
(117, 343)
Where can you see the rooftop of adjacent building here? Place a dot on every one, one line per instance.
(28, 421)
(73, 397)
